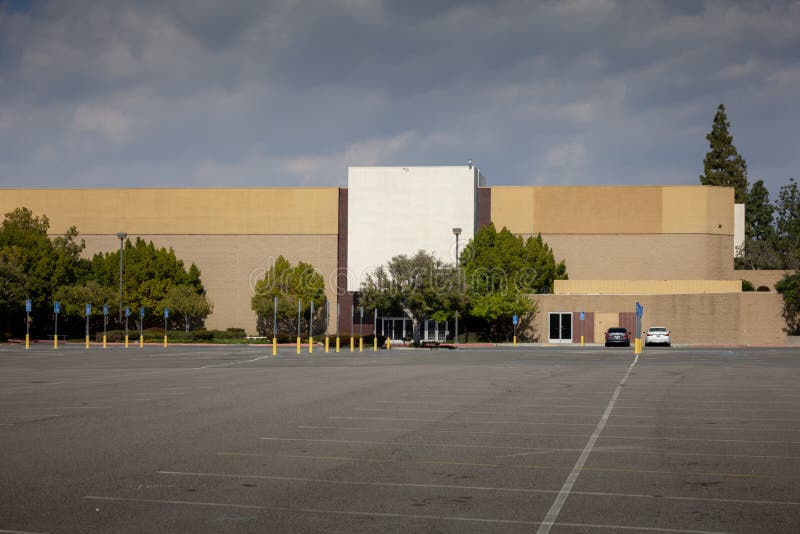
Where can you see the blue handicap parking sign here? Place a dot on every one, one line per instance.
(166, 313)
(28, 306)
(127, 311)
(88, 309)
(105, 309)
(141, 311)
(57, 307)
(583, 316)
(515, 319)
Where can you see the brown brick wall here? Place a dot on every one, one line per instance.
(730, 318)
(230, 265)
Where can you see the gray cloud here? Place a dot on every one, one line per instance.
(203, 93)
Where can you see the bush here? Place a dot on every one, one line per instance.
(747, 285)
(202, 335)
(763, 289)
(370, 340)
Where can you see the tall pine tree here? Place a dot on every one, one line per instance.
(723, 165)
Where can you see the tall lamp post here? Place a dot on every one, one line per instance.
(457, 232)
(121, 236)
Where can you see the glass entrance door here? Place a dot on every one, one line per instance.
(560, 330)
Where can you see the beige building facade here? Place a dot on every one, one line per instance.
(668, 247)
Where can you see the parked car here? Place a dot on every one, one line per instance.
(618, 336)
(657, 335)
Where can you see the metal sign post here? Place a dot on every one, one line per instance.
(375, 332)
(638, 343)
(360, 330)
(327, 322)
(274, 326)
(28, 308)
(127, 314)
(141, 327)
(352, 323)
(311, 328)
(582, 316)
(299, 305)
(166, 316)
(88, 311)
(515, 320)
(105, 323)
(56, 311)
(338, 323)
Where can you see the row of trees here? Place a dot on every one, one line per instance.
(34, 266)
(493, 280)
(772, 231)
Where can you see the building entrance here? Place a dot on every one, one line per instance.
(560, 330)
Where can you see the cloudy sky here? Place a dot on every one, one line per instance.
(288, 92)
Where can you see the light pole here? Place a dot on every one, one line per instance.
(457, 232)
(121, 236)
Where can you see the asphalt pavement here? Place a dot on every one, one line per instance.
(196, 439)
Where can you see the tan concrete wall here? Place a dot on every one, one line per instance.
(761, 278)
(614, 210)
(230, 234)
(230, 265)
(644, 287)
(650, 256)
(725, 319)
(281, 211)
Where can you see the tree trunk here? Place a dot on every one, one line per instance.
(186, 320)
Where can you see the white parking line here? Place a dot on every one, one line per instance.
(531, 423)
(540, 434)
(233, 363)
(471, 488)
(561, 498)
(407, 444)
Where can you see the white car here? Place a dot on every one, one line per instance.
(657, 335)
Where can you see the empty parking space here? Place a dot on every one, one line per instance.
(234, 439)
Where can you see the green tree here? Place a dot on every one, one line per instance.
(758, 250)
(723, 165)
(502, 271)
(38, 264)
(789, 288)
(420, 286)
(148, 275)
(289, 285)
(787, 222)
(74, 299)
(186, 301)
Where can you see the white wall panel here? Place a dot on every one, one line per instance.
(400, 210)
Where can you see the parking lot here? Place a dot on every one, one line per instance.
(534, 439)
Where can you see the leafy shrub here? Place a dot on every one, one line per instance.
(747, 285)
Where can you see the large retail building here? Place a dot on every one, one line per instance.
(670, 248)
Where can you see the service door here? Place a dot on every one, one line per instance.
(560, 330)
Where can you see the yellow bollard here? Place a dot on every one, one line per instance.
(375, 344)
(126, 341)
(274, 346)
(165, 341)
(27, 341)
(141, 341)
(327, 344)
(361, 344)
(310, 345)
(87, 342)
(388, 344)
(352, 343)
(515, 341)
(298, 344)
(581, 341)
(55, 342)
(337, 343)
(104, 341)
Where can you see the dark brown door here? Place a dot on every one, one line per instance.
(627, 320)
(583, 328)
